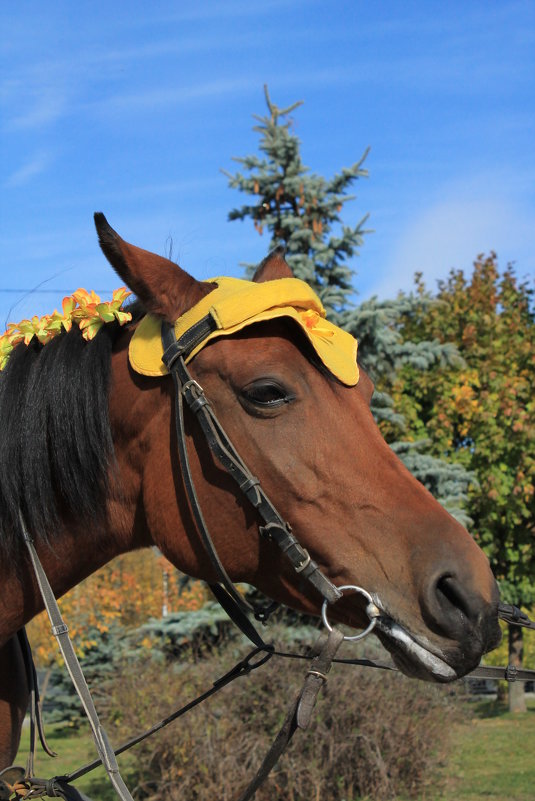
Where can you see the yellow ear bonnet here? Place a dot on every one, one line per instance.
(235, 304)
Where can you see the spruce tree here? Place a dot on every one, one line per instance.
(302, 211)
(385, 351)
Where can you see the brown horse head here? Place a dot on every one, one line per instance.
(314, 445)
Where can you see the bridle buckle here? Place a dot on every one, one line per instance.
(194, 395)
(305, 563)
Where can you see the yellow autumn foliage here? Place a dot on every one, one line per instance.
(131, 589)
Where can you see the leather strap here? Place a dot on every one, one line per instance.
(60, 631)
(300, 712)
(274, 527)
(327, 646)
(195, 506)
(238, 616)
(36, 717)
(509, 673)
(514, 616)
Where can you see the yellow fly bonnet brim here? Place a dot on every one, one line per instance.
(235, 304)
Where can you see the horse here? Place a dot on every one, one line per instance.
(88, 457)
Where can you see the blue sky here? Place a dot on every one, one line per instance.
(133, 108)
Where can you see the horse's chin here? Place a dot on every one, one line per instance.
(414, 656)
(411, 657)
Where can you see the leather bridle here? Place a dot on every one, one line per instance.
(273, 526)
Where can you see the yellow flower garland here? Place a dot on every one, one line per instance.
(82, 307)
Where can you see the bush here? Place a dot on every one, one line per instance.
(203, 628)
(373, 734)
(102, 655)
(107, 652)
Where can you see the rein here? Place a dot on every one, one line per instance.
(275, 529)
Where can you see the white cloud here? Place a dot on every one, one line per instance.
(32, 95)
(475, 218)
(151, 98)
(26, 172)
(44, 107)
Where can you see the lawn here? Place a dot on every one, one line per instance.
(494, 758)
(74, 749)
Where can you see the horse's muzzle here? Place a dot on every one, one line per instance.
(444, 659)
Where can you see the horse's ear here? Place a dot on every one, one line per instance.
(273, 266)
(162, 287)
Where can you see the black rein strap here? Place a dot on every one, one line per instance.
(515, 616)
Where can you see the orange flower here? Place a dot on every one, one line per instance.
(83, 307)
(311, 320)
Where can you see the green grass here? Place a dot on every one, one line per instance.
(493, 758)
(74, 749)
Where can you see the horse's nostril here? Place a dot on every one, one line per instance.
(449, 607)
(450, 593)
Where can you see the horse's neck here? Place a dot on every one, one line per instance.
(71, 556)
(79, 548)
(75, 551)
(141, 507)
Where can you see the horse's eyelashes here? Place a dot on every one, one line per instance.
(267, 394)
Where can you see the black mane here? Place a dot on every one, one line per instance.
(55, 439)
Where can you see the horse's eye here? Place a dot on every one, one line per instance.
(266, 394)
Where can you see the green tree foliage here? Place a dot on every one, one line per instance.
(302, 211)
(385, 349)
(481, 415)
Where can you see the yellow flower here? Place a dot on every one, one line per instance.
(64, 320)
(6, 347)
(36, 327)
(90, 326)
(83, 307)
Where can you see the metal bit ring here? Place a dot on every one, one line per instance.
(371, 611)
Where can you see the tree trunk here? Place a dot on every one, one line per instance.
(517, 699)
